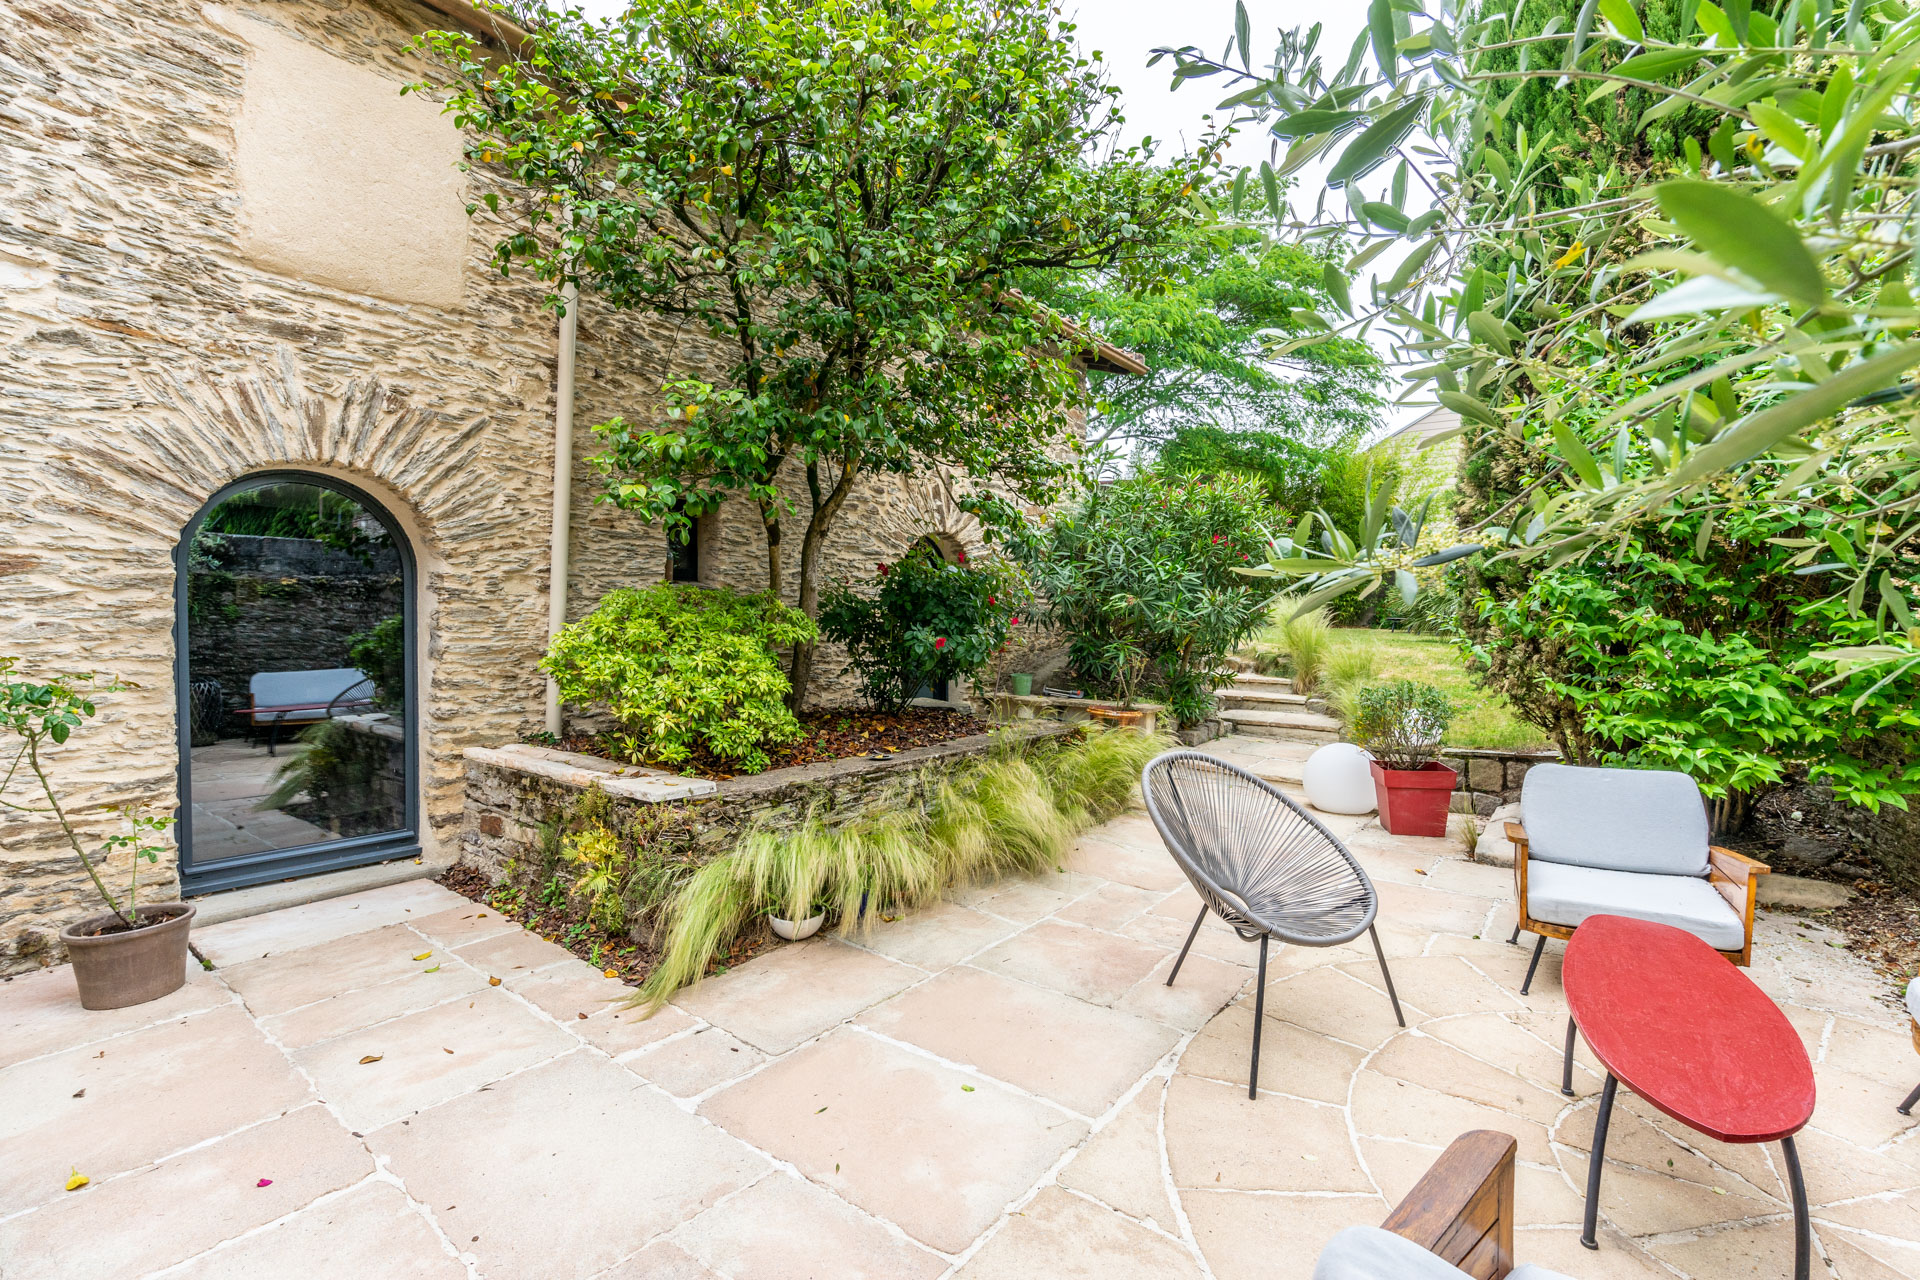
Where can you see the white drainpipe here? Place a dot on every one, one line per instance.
(562, 487)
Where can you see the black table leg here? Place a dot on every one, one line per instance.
(1802, 1229)
(1566, 1072)
(1595, 1158)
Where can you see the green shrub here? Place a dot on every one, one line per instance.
(681, 666)
(1401, 722)
(1015, 813)
(1141, 578)
(921, 621)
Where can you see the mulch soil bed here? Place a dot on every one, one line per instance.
(622, 957)
(830, 735)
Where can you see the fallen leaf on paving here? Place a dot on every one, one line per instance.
(423, 955)
(493, 982)
(264, 1182)
(372, 1057)
(434, 969)
(610, 972)
(821, 1109)
(78, 1180)
(966, 1088)
(80, 1093)
(581, 1016)
(446, 1051)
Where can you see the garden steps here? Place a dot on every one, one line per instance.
(1290, 725)
(1240, 696)
(1254, 680)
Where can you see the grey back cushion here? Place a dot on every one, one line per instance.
(1648, 820)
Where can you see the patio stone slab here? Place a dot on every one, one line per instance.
(291, 979)
(1438, 986)
(563, 1170)
(1064, 1237)
(1264, 1237)
(1386, 1108)
(186, 1204)
(1543, 1197)
(943, 935)
(1333, 1004)
(257, 937)
(1077, 1054)
(620, 1030)
(489, 1036)
(510, 955)
(468, 922)
(1203, 988)
(41, 1013)
(782, 1227)
(1293, 1060)
(1111, 906)
(934, 1150)
(1219, 1139)
(567, 990)
(661, 1260)
(1120, 1165)
(1035, 898)
(357, 1010)
(696, 1062)
(106, 1108)
(369, 1231)
(794, 992)
(1438, 1065)
(1618, 1258)
(1080, 962)
(1151, 868)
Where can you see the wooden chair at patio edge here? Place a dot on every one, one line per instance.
(1628, 842)
(1456, 1223)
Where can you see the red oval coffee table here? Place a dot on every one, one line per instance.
(1674, 1021)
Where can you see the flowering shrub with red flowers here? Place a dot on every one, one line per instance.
(921, 620)
(1140, 575)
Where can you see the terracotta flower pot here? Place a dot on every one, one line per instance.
(1117, 718)
(1414, 802)
(130, 966)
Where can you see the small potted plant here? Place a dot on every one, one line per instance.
(1127, 659)
(128, 954)
(1401, 722)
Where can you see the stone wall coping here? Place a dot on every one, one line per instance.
(1534, 754)
(630, 782)
(656, 786)
(1044, 700)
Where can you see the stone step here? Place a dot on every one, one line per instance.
(1291, 726)
(1238, 697)
(1251, 680)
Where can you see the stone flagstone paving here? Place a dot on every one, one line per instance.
(998, 1087)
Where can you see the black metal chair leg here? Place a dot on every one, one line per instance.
(1387, 974)
(1259, 1020)
(1514, 941)
(1906, 1108)
(1566, 1072)
(1191, 935)
(1595, 1158)
(1802, 1228)
(1538, 947)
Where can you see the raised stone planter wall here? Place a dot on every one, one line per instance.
(513, 791)
(1491, 778)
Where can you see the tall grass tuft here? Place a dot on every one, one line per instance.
(1351, 667)
(1306, 640)
(1015, 813)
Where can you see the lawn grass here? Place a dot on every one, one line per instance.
(1485, 719)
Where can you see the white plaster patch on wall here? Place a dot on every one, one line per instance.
(342, 180)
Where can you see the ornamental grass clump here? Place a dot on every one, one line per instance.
(1015, 813)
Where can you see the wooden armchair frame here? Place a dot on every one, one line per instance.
(1734, 875)
(1462, 1208)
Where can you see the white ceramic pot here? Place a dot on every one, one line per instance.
(1338, 779)
(796, 932)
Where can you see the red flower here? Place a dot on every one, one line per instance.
(1014, 621)
(1243, 555)
(940, 642)
(963, 557)
(1217, 537)
(989, 599)
(883, 570)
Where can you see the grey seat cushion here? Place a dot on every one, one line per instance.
(1568, 895)
(1616, 819)
(1371, 1253)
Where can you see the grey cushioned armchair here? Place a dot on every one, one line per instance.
(1626, 842)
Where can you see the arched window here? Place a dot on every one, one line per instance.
(295, 646)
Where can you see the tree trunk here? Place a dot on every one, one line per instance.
(770, 523)
(824, 510)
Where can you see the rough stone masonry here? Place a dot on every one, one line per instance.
(229, 244)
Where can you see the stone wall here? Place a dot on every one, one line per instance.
(511, 797)
(1490, 778)
(173, 317)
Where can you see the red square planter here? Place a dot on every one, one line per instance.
(1414, 802)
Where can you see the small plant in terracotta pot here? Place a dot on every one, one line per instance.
(1401, 722)
(128, 954)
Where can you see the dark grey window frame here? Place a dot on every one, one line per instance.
(307, 859)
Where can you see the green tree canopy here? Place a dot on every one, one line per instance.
(842, 193)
